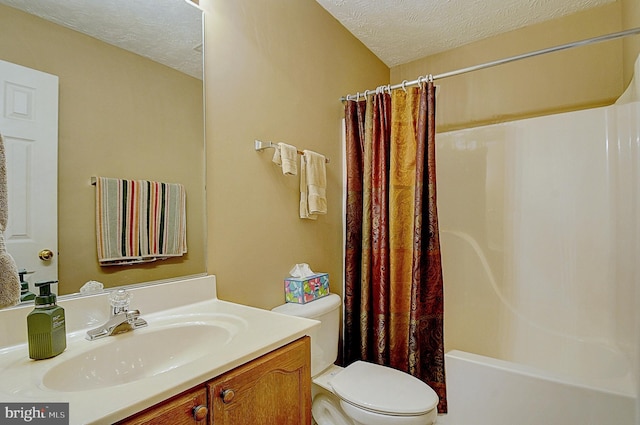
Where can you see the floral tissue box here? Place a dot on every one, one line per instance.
(302, 290)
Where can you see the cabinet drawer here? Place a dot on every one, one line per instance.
(183, 409)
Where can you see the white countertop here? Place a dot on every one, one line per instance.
(260, 331)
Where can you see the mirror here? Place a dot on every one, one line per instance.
(130, 106)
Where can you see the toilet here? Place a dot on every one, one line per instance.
(362, 393)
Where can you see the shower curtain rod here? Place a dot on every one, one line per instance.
(420, 80)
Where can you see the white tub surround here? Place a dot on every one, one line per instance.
(189, 303)
(540, 236)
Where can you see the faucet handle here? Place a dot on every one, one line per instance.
(120, 301)
(133, 314)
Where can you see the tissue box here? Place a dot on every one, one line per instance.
(302, 290)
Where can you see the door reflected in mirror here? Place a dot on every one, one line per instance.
(29, 129)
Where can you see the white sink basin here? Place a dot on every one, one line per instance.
(141, 353)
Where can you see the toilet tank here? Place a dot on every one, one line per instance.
(324, 339)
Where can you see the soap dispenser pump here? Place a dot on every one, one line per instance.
(46, 325)
(25, 294)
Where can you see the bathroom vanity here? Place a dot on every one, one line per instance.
(273, 389)
(199, 360)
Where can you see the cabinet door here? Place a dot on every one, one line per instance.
(273, 389)
(189, 408)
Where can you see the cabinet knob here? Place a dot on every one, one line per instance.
(227, 396)
(200, 412)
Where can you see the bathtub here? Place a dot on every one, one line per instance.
(540, 237)
(486, 391)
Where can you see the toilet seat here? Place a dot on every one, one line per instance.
(384, 390)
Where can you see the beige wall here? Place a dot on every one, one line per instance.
(573, 79)
(275, 70)
(105, 129)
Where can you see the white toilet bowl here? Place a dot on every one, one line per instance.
(326, 410)
(360, 399)
(362, 393)
(371, 394)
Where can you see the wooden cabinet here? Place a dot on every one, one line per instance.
(272, 389)
(189, 408)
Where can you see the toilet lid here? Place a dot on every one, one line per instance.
(384, 390)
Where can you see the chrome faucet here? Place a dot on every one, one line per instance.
(122, 319)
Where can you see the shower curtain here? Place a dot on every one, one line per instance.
(393, 274)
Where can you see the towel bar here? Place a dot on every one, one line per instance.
(260, 146)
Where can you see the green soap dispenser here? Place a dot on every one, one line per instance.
(25, 294)
(45, 325)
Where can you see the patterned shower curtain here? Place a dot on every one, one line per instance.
(393, 274)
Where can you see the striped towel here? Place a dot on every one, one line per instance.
(139, 221)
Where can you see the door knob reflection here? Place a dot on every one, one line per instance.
(45, 255)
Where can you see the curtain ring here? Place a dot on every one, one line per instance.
(430, 78)
(404, 83)
(389, 88)
(366, 93)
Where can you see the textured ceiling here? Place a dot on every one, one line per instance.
(397, 31)
(400, 31)
(167, 31)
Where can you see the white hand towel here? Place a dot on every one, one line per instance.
(313, 185)
(304, 204)
(286, 156)
(289, 158)
(276, 156)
